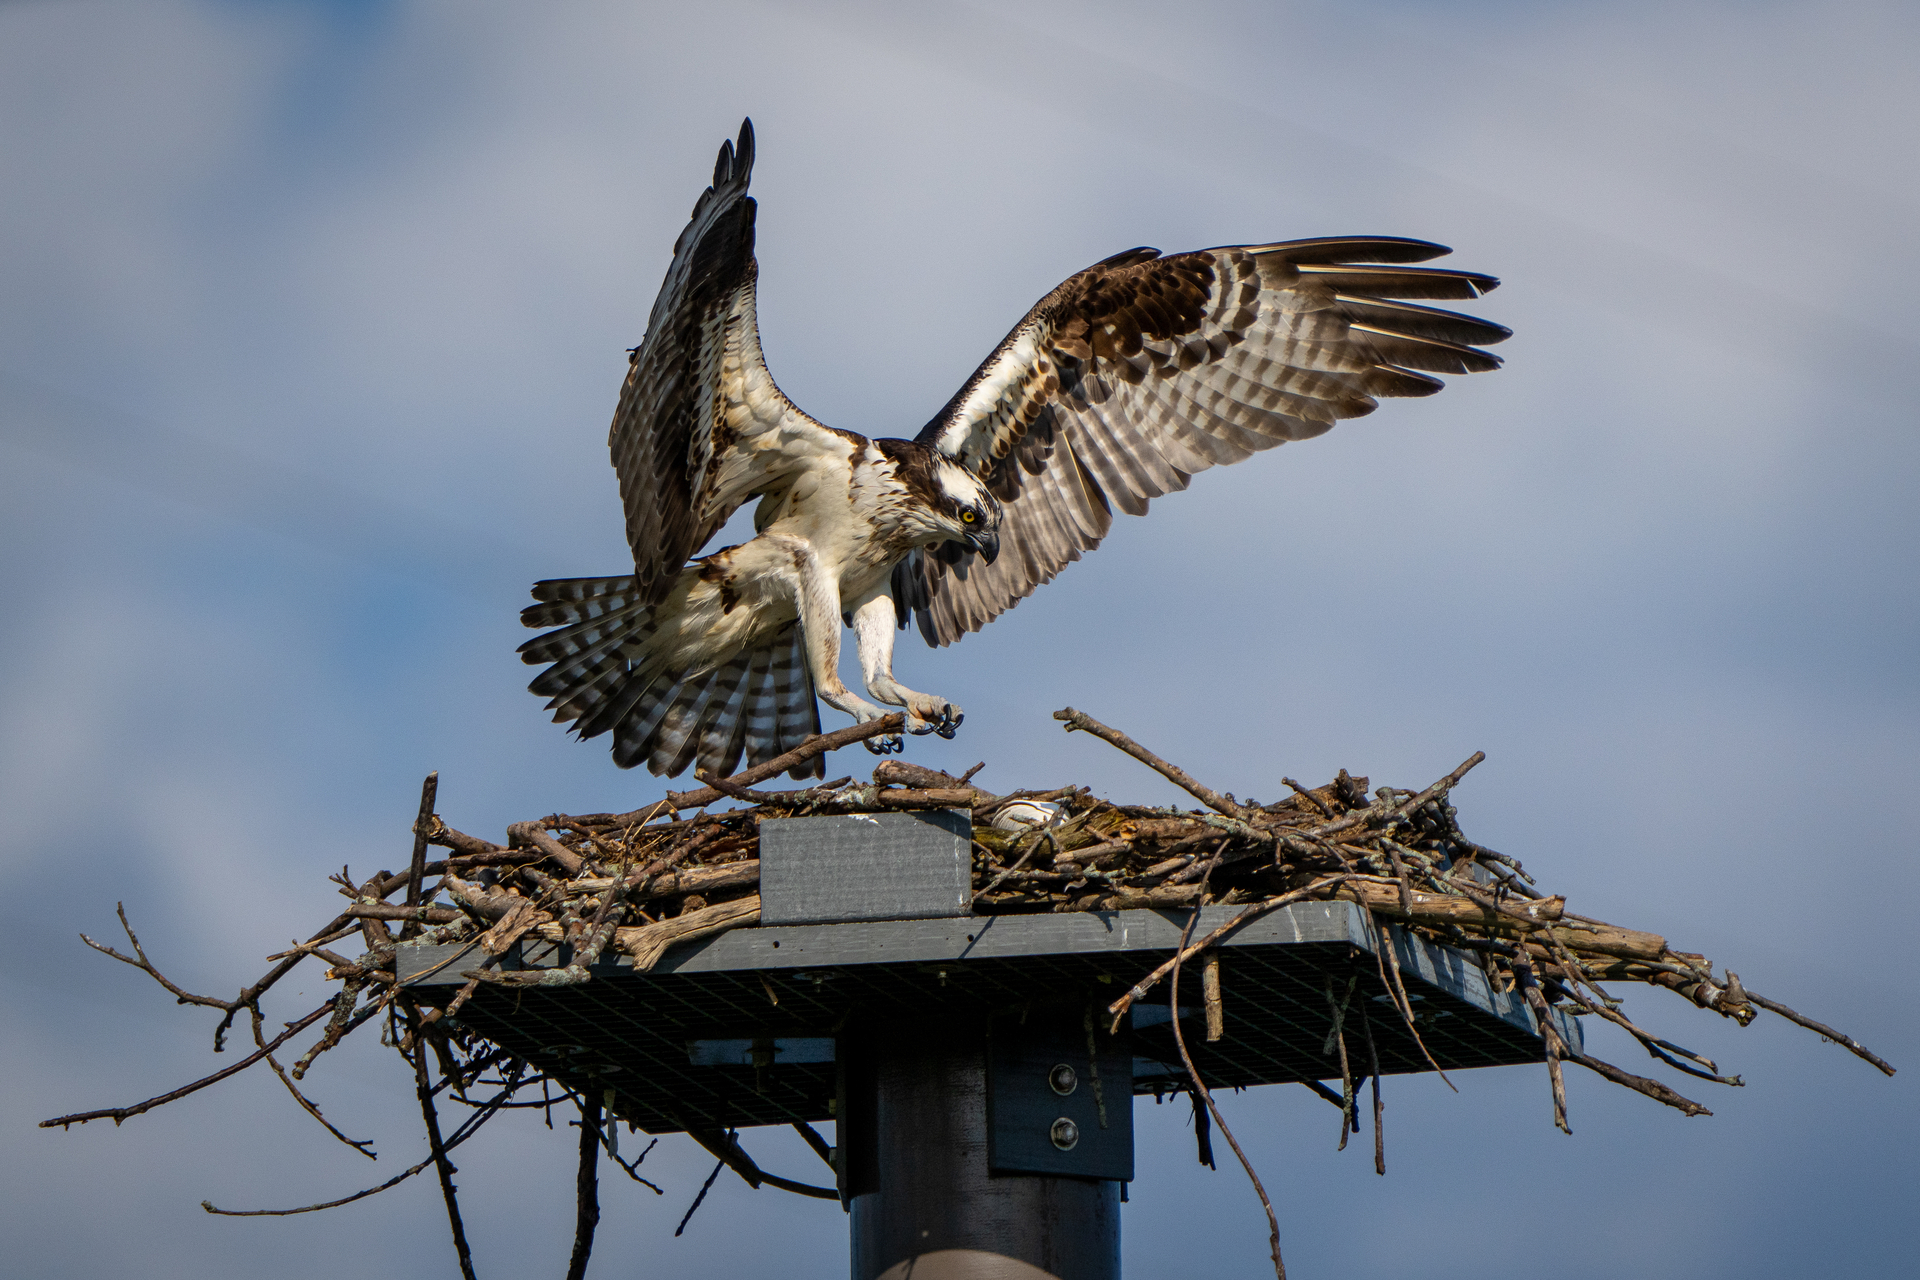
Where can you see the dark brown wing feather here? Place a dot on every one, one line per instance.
(661, 439)
(1142, 370)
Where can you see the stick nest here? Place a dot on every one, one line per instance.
(644, 880)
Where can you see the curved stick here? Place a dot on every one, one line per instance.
(1193, 1074)
(1171, 772)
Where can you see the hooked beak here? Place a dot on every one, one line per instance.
(987, 543)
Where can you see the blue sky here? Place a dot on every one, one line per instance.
(311, 320)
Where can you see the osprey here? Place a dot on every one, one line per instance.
(1116, 388)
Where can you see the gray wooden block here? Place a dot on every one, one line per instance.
(883, 866)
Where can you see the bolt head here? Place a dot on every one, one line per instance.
(1064, 1133)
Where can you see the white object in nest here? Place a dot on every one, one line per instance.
(1024, 813)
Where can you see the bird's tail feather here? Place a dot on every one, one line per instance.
(759, 702)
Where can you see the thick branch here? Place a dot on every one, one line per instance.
(393, 911)
(1844, 1041)
(1640, 1084)
(1404, 807)
(443, 1165)
(1172, 772)
(586, 1187)
(417, 866)
(531, 833)
(727, 1149)
(646, 943)
(815, 746)
(678, 880)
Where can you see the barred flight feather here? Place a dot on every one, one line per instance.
(760, 702)
(1431, 283)
(1167, 366)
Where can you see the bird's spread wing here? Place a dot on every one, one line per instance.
(701, 425)
(1142, 370)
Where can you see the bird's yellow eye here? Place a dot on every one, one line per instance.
(967, 517)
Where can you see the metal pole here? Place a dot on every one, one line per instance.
(922, 1201)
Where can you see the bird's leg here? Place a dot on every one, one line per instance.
(874, 624)
(817, 599)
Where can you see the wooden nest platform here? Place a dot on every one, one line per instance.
(713, 961)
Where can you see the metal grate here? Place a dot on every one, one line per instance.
(630, 1032)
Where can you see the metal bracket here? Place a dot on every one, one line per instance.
(1053, 1108)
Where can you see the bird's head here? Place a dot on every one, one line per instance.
(965, 511)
